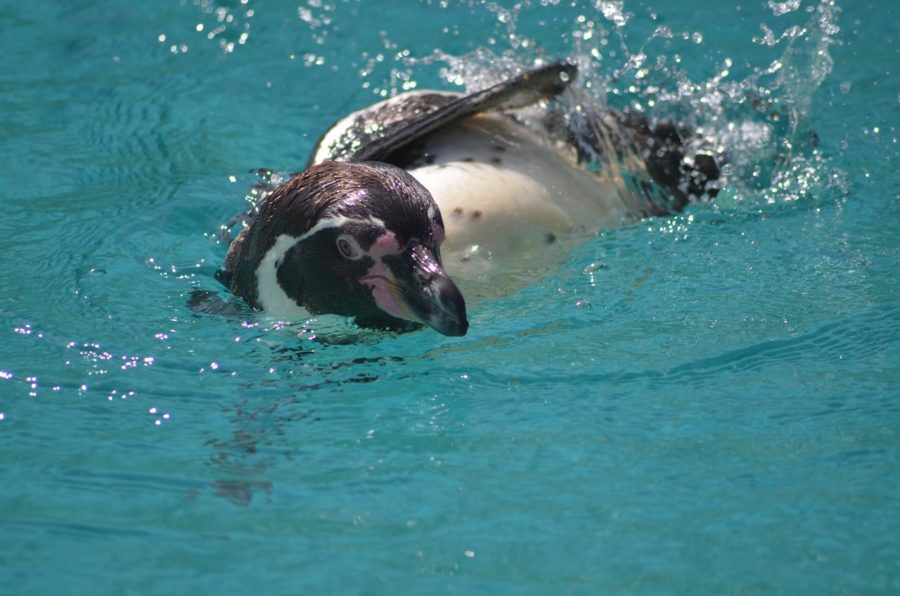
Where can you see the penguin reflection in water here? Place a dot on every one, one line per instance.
(405, 198)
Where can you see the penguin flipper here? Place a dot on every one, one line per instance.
(540, 83)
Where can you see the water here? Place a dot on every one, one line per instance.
(703, 403)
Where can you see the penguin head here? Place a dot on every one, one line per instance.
(369, 249)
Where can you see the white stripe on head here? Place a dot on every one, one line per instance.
(338, 221)
(269, 293)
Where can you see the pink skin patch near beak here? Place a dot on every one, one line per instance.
(380, 280)
(385, 295)
(386, 244)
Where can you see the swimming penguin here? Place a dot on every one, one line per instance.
(486, 184)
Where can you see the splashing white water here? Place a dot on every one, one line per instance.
(757, 125)
(752, 112)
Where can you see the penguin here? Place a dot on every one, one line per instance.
(403, 198)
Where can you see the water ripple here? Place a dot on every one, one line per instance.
(841, 342)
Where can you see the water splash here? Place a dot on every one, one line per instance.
(780, 8)
(221, 23)
(757, 124)
(754, 111)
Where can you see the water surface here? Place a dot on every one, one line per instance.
(703, 403)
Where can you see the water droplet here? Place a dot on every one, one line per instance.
(782, 8)
(593, 267)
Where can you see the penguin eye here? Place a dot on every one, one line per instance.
(349, 248)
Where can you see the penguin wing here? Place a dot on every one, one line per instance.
(346, 137)
(374, 134)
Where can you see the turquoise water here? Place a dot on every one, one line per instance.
(705, 403)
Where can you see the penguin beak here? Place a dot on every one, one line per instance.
(416, 288)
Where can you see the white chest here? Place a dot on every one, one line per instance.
(512, 204)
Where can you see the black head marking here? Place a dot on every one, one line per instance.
(330, 234)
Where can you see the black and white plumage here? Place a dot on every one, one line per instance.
(353, 239)
(490, 180)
